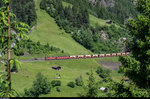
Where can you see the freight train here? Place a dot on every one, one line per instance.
(86, 56)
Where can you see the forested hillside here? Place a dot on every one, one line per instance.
(116, 10)
(24, 10)
(75, 20)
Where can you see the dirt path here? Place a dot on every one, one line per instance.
(110, 65)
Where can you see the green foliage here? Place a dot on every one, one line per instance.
(91, 90)
(122, 90)
(104, 73)
(107, 79)
(79, 81)
(134, 66)
(120, 70)
(40, 86)
(19, 28)
(137, 66)
(15, 65)
(24, 10)
(18, 52)
(32, 48)
(117, 10)
(56, 83)
(4, 87)
(67, 17)
(71, 84)
(92, 38)
(75, 20)
(58, 89)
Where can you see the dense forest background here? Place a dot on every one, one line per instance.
(24, 10)
(115, 10)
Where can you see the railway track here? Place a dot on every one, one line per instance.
(76, 57)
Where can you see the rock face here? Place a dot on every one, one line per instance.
(93, 1)
(110, 3)
(104, 36)
(105, 3)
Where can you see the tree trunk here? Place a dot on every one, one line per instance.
(9, 75)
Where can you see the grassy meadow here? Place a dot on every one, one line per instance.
(65, 4)
(97, 21)
(71, 69)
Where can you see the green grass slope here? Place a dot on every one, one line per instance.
(65, 4)
(71, 69)
(97, 21)
(47, 31)
(94, 21)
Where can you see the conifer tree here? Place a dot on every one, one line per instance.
(137, 66)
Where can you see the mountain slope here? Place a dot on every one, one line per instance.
(47, 31)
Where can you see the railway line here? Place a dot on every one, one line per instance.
(76, 57)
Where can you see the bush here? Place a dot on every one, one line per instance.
(87, 73)
(58, 89)
(99, 70)
(40, 86)
(107, 79)
(103, 73)
(71, 84)
(56, 83)
(79, 81)
(108, 71)
(18, 52)
(99, 82)
(120, 71)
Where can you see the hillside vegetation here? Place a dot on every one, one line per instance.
(116, 10)
(91, 32)
(93, 20)
(47, 31)
(24, 11)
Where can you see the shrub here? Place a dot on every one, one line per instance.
(120, 71)
(108, 71)
(103, 73)
(99, 82)
(87, 73)
(99, 70)
(56, 83)
(58, 89)
(18, 52)
(79, 81)
(71, 84)
(40, 86)
(107, 79)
